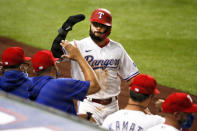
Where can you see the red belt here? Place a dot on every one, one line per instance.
(101, 101)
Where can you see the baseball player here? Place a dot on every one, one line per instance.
(109, 60)
(177, 109)
(59, 93)
(134, 116)
(15, 79)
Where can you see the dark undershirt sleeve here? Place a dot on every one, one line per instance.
(56, 48)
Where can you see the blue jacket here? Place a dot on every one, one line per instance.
(15, 82)
(58, 93)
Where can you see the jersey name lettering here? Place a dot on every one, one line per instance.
(125, 126)
(103, 64)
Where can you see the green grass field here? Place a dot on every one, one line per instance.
(159, 35)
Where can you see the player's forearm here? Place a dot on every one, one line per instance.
(89, 75)
(63, 31)
(56, 48)
(129, 82)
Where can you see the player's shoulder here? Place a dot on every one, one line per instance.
(117, 113)
(112, 117)
(120, 113)
(116, 44)
(154, 119)
(157, 118)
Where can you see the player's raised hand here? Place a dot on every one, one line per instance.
(73, 51)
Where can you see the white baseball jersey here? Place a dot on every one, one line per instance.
(130, 120)
(163, 127)
(107, 62)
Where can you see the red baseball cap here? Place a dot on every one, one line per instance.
(102, 16)
(179, 102)
(42, 60)
(13, 56)
(144, 84)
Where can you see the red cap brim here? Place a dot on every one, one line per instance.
(191, 109)
(27, 58)
(156, 91)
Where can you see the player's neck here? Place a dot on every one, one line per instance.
(103, 43)
(135, 107)
(138, 106)
(172, 122)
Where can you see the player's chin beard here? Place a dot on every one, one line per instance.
(94, 38)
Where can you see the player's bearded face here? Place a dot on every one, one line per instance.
(94, 37)
(96, 31)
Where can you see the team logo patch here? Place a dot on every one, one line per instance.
(100, 15)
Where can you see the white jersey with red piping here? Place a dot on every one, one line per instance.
(108, 62)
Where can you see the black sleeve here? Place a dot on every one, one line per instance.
(56, 48)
